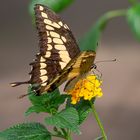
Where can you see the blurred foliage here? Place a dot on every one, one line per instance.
(133, 17)
(55, 5)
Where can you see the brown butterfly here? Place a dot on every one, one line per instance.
(60, 58)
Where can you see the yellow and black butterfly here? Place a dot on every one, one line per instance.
(60, 58)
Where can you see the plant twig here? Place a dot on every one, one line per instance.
(98, 121)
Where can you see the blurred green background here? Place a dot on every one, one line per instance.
(118, 108)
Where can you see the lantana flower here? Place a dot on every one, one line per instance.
(86, 88)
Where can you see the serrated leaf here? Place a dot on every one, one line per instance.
(67, 118)
(45, 97)
(133, 18)
(47, 102)
(36, 109)
(49, 108)
(83, 108)
(26, 131)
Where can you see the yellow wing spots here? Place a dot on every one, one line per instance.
(47, 33)
(44, 15)
(64, 56)
(49, 22)
(41, 8)
(49, 40)
(66, 26)
(55, 25)
(43, 72)
(60, 47)
(60, 23)
(66, 59)
(43, 65)
(54, 34)
(64, 39)
(49, 27)
(49, 47)
(48, 54)
(42, 59)
(65, 53)
(57, 41)
(62, 64)
(44, 78)
(43, 84)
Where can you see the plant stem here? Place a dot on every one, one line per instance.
(98, 121)
(115, 13)
(103, 20)
(58, 136)
(68, 135)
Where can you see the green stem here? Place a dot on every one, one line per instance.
(58, 136)
(115, 13)
(102, 22)
(98, 121)
(68, 135)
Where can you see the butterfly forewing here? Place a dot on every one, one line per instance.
(57, 46)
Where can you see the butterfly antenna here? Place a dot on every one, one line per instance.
(19, 83)
(113, 60)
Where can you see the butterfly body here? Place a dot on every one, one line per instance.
(59, 58)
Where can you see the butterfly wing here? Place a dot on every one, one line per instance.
(77, 67)
(57, 47)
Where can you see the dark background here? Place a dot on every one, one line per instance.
(118, 108)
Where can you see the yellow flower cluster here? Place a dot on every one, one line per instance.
(86, 88)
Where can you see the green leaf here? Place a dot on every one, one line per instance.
(55, 5)
(43, 98)
(83, 108)
(26, 131)
(47, 102)
(36, 109)
(133, 18)
(67, 118)
(91, 39)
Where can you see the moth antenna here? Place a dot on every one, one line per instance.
(19, 83)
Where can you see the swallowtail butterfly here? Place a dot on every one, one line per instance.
(59, 58)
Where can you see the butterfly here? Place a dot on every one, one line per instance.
(59, 58)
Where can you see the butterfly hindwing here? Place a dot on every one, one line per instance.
(75, 68)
